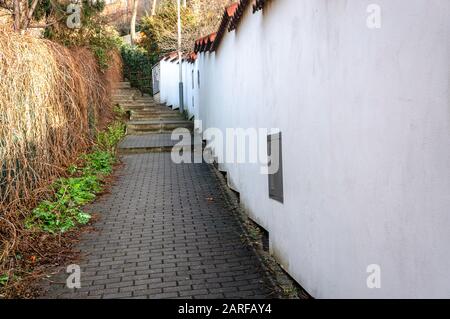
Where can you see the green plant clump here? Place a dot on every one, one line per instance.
(63, 212)
(109, 139)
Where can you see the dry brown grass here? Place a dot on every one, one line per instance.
(52, 101)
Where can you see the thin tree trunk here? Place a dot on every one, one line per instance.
(24, 14)
(17, 15)
(30, 13)
(133, 22)
(154, 7)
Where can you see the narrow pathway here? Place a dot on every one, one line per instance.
(165, 230)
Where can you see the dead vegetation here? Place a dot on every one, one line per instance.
(53, 100)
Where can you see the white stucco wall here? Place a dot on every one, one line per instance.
(169, 86)
(365, 117)
(169, 83)
(190, 86)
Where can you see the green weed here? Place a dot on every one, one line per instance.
(99, 163)
(63, 212)
(4, 280)
(119, 112)
(109, 139)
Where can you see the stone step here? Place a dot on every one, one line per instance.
(156, 143)
(144, 150)
(156, 110)
(148, 109)
(142, 127)
(136, 103)
(156, 115)
(128, 99)
(152, 117)
(123, 85)
(125, 88)
(136, 108)
(130, 94)
(160, 149)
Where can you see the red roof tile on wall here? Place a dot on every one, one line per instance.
(230, 21)
(243, 4)
(231, 9)
(191, 57)
(227, 16)
(170, 56)
(205, 43)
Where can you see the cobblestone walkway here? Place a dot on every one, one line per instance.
(164, 232)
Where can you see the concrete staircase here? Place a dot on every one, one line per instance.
(150, 125)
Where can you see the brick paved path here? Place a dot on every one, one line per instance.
(165, 232)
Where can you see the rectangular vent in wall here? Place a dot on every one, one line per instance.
(274, 152)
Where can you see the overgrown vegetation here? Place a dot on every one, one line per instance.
(138, 67)
(94, 32)
(100, 39)
(53, 102)
(63, 211)
(55, 98)
(48, 18)
(159, 32)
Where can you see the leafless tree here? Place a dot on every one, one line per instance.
(21, 12)
(199, 18)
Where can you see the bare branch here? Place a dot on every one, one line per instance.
(42, 26)
(30, 13)
(7, 5)
(17, 15)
